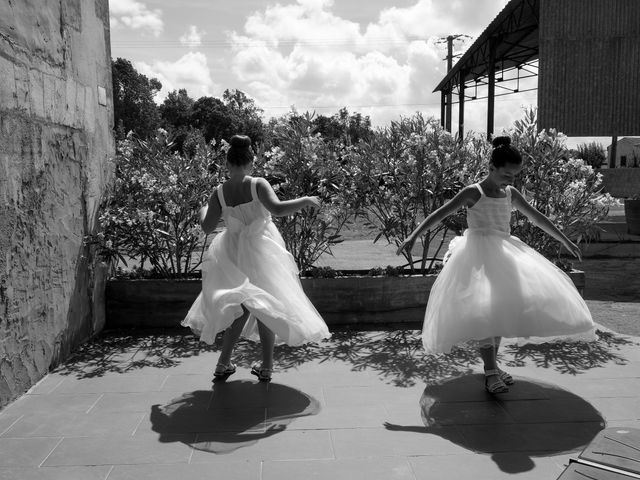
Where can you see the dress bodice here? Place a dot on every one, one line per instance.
(249, 217)
(490, 213)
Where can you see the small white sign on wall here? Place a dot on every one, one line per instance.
(102, 96)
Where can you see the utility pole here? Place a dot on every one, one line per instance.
(449, 93)
(447, 100)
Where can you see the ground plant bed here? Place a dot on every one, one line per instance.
(356, 298)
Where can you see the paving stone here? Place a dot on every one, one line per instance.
(112, 383)
(16, 452)
(224, 470)
(340, 469)
(270, 445)
(484, 467)
(63, 424)
(144, 449)
(35, 404)
(55, 473)
(396, 440)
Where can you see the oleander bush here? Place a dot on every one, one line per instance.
(408, 170)
(565, 189)
(148, 221)
(297, 161)
(391, 179)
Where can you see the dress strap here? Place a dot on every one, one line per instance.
(508, 191)
(480, 189)
(254, 188)
(221, 196)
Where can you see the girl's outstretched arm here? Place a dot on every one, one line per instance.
(541, 221)
(281, 208)
(210, 213)
(466, 197)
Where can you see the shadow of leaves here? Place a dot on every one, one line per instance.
(125, 351)
(568, 357)
(396, 354)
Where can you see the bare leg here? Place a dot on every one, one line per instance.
(231, 336)
(504, 376)
(489, 353)
(268, 340)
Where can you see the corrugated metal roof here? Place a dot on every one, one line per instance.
(515, 31)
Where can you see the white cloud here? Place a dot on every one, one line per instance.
(319, 59)
(193, 37)
(190, 72)
(135, 15)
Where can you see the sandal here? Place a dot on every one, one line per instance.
(263, 374)
(222, 371)
(497, 387)
(506, 378)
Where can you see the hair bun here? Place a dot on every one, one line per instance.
(240, 141)
(500, 141)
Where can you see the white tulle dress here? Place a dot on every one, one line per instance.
(248, 264)
(493, 284)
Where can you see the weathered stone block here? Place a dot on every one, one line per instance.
(69, 118)
(36, 93)
(8, 96)
(49, 92)
(21, 75)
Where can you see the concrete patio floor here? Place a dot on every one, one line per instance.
(363, 405)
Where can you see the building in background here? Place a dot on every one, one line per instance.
(627, 153)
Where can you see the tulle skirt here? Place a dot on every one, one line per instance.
(494, 285)
(253, 268)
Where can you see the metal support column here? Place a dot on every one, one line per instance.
(443, 111)
(491, 92)
(449, 65)
(461, 105)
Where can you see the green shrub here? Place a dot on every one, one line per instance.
(150, 214)
(298, 162)
(408, 170)
(565, 189)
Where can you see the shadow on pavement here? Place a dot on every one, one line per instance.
(568, 357)
(396, 354)
(234, 415)
(534, 419)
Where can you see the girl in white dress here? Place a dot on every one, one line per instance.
(493, 285)
(250, 282)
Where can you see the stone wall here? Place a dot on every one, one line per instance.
(621, 182)
(56, 156)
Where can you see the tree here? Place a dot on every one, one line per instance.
(133, 104)
(175, 113)
(234, 113)
(211, 116)
(176, 109)
(247, 115)
(348, 128)
(592, 153)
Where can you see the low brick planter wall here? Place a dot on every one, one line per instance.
(341, 301)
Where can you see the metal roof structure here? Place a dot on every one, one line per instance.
(585, 53)
(511, 39)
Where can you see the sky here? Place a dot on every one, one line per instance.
(381, 58)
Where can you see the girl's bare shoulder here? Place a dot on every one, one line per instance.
(470, 195)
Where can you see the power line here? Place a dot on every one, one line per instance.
(258, 44)
(318, 107)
